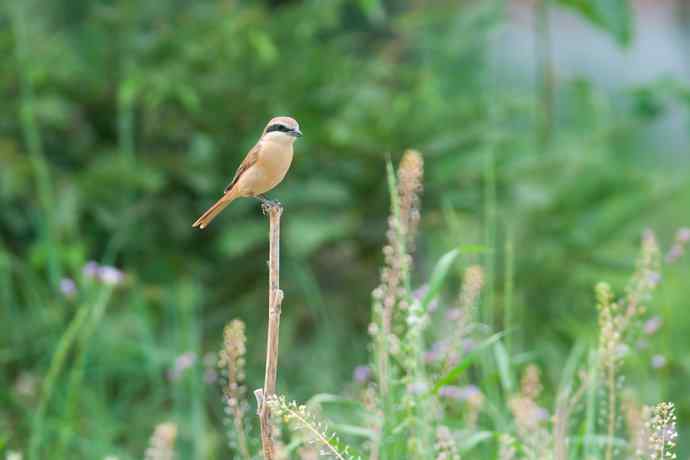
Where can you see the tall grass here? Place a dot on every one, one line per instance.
(421, 398)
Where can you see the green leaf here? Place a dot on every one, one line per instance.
(503, 362)
(469, 249)
(466, 362)
(470, 440)
(438, 276)
(613, 16)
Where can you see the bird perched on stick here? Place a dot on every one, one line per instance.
(263, 168)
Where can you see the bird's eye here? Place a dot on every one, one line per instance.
(278, 127)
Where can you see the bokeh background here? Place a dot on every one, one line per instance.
(553, 134)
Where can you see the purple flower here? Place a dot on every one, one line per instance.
(90, 270)
(68, 287)
(674, 253)
(652, 325)
(417, 388)
(653, 278)
(438, 351)
(458, 393)
(182, 363)
(110, 275)
(454, 314)
(361, 374)
(683, 235)
(658, 361)
(541, 414)
(420, 292)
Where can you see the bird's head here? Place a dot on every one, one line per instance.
(282, 129)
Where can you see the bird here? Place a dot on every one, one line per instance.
(262, 169)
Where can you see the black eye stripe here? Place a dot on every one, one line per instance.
(278, 127)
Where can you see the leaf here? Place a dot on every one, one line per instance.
(470, 440)
(438, 276)
(503, 361)
(613, 16)
(466, 362)
(469, 249)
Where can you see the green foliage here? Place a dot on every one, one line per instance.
(122, 121)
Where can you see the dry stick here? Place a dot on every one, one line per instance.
(275, 300)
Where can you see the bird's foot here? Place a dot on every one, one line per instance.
(267, 204)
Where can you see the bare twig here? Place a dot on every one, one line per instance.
(275, 299)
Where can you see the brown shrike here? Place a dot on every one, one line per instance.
(262, 169)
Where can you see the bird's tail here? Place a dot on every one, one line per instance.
(206, 218)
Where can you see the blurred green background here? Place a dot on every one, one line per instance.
(558, 129)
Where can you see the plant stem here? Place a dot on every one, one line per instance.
(508, 292)
(33, 140)
(275, 300)
(56, 364)
(490, 224)
(611, 382)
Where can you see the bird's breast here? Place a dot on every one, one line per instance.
(271, 166)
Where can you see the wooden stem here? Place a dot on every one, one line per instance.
(275, 300)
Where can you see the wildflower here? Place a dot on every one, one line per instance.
(458, 393)
(232, 361)
(110, 275)
(90, 270)
(678, 248)
(683, 235)
(530, 418)
(14, 455)
(658, 361)
(105, 274)
(410, 175)
(454, 314)
(417, 388)
(507, 450)
(471, 287)
(663, 434)
(446, 447)
(162, 443)
(68, 287)
(530, 383)
(653, 279)
(305, 424)
(652, 325)
(182, 363)
(362, 374)
(437, 352)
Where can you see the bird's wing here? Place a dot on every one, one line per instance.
(248, 162)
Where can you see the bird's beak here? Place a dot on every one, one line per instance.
(296, 132)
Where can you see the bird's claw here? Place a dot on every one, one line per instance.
(267, 204)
